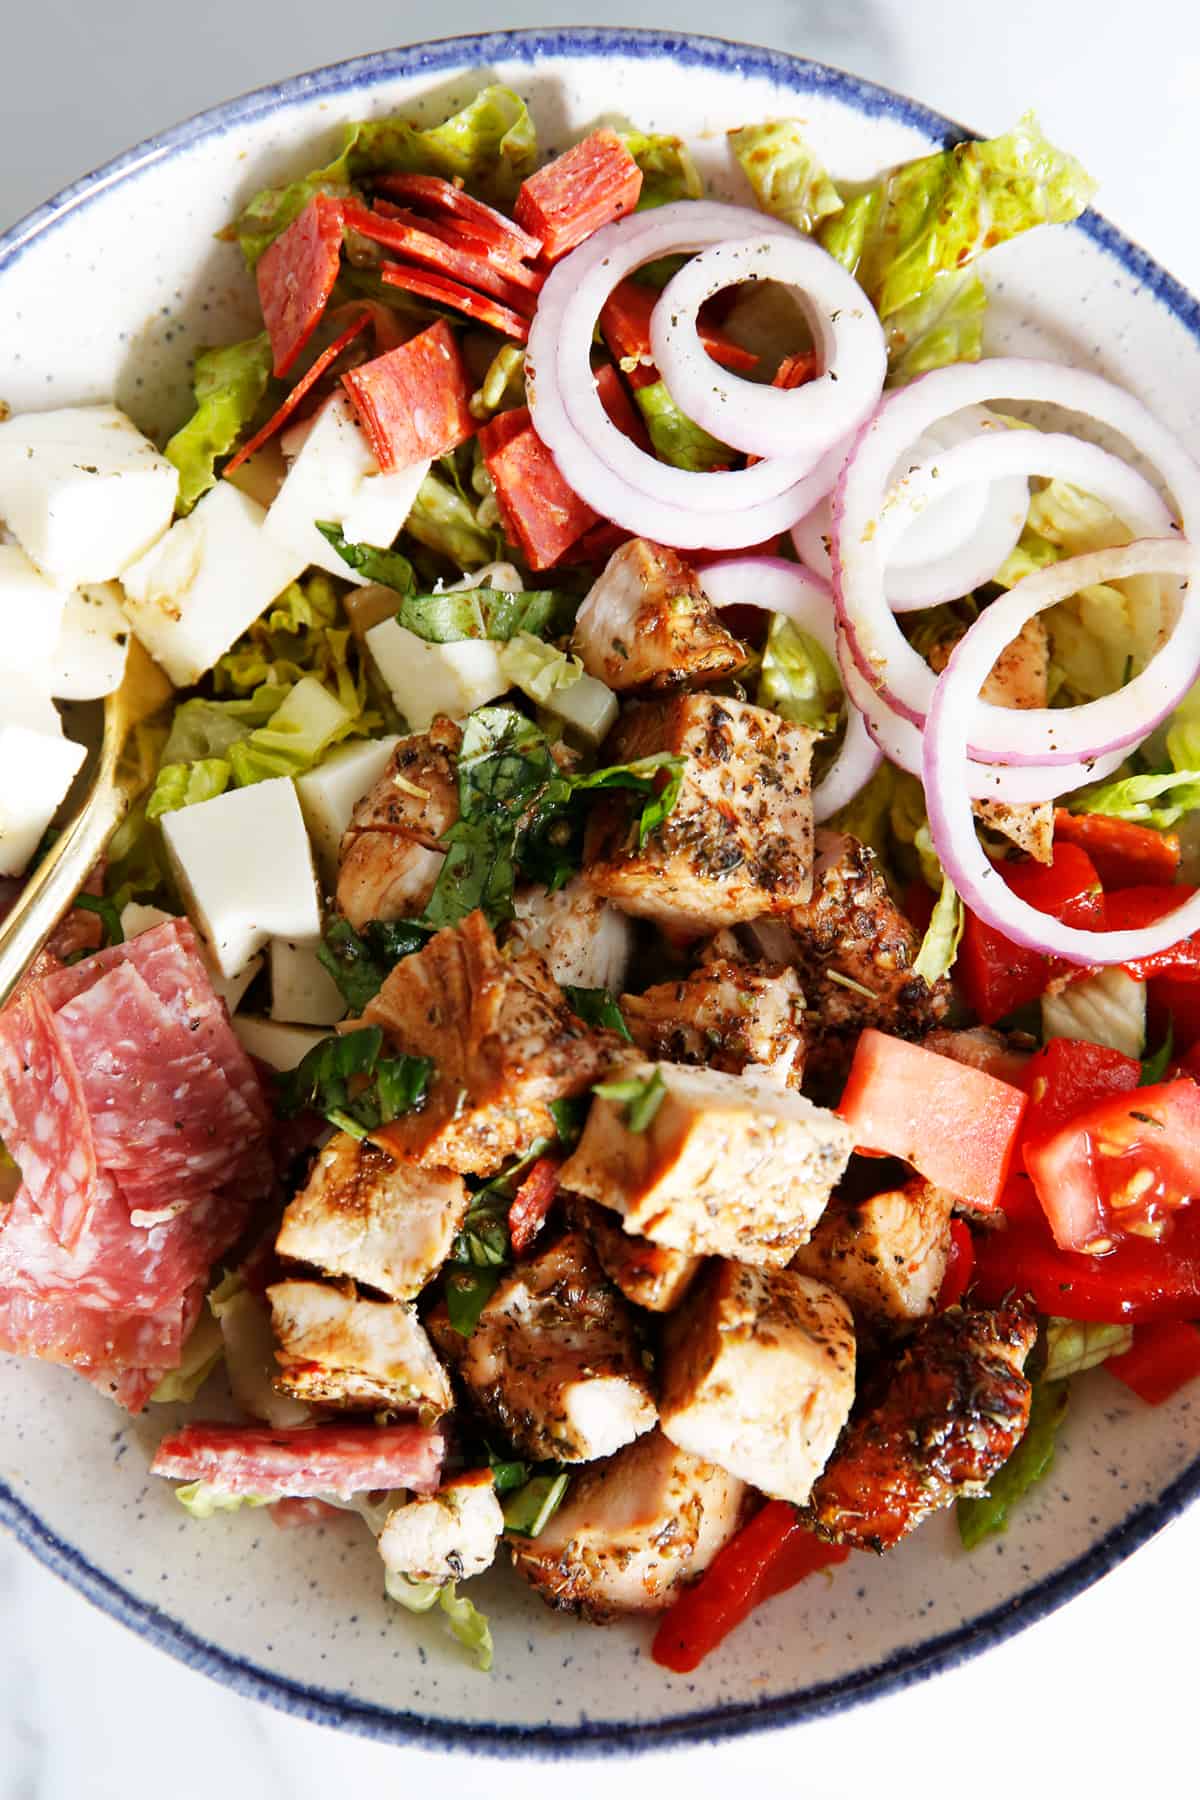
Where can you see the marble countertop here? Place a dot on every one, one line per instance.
(1101, 1694)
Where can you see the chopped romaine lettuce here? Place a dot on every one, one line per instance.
(1029, 1462)
(464, 1618)
(229, 385)
(201, 1353)
(788, 179)
(487, 612)
(184, 784)
(942, 325)
(503, 384)
(303, 632)
(1177, 792)
(443, 520)
(559, 683)
(203, 1500)
(797, 679)
(299, 732)
(1073, 1346)
(939, 946)
(209, 728)
(1107, 1008)
(675, 438)
(668, 172)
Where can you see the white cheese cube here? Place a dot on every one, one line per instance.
(83, 491)
(31, 610)
(36, 769)
(282, 1046)
(206, 581)
(336, 478)
(302, 991)
(136, 918)
(244, 865)
(26, 702)
(427, 679)
(328, 794)
(88, 660)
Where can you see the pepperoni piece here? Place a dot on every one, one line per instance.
(444, 292)
(462, 237)
(625, 328)
(43, 1115)
(324, 1459)
(540, 512)
(307, 381)
(440, 253)
(439, 195)
(614, 398)
(296, 275)
(413, 403)
(588, 186)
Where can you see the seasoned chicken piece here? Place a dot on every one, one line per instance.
(726, 1015)
(981, 1048)
(649, 1275)
(737, 843)
(447, 1536)
(937, 1423)
(758, 1375)
(885, 1254)
(504, 1045)
(648, 623)
(631, 1528)
(336, 1350)
(390, 857)
(554, 1362)
(1027, 824)
(367, 1214)
(584, 940)
(725, 1165)
(854, 952)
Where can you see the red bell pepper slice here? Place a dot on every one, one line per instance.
(531, 1203)
(1068, 1077)
(296, 275)
(998, 976)
(540, 512)
(614, 398)
(625, 328)
(422, 247)
(439, 195)
(1124, 855)
(770, 1554)
(952, 1123)
(960, 1265)
(304, 386)
(445, 292)
(586, 187)
(1130, 908)
(1163, 1358)
(414, 402)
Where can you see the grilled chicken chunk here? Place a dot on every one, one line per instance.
(647, 623)
(649, 1275)
(738, 842)
(758, 1376)
(367, 1214)
(390, 855)
(937, 1423)
(631, 1528)
(886, 1255)
(584, 940)
(554, 1362)
(981, 1048)
(336, 1350)
(854, 951)
(725, 1015)
(728, 1165)
(447, 1536)
(503, 1042)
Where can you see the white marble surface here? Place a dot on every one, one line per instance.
(1101, 1695)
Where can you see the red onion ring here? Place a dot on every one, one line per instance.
(770, 421)
(950, 819)
(782, 587)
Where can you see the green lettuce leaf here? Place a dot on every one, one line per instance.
(203, 1500)
(388, 567)
(668, 172)
(229, 385)
(361, 961)
(181, 784)
(560, 685)
(942, 325)
(528, 1512)
(675, 438)
(788, 179)
(201, 1353)
(464, 1618)
(939, 946)
(487, 612)
(1134, 798)
(1073, 1346)
(1183, 733)
(309, 722)
(503, 384)
(1029, 1462)
(444, 521)
(303, 632)
(797, 679)
(210, 728)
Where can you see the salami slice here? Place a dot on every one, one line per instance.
(586, 187)
(436, 194)
(43, 1115)
(414, 403)
(296, 276)
(323, 1459)
(540, 512)
(406, 236)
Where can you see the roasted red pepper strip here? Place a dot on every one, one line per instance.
(998, 976)
(296, 275)
(430, 252)
(959, 1265)
(1129, 908)
(1162, 1359)
(414, 402)
(304, 386)
(586, 187)
(444, 292)
(532, 1202)
(439, 195)
(1173, 1003)
(540, 512)
(625, 328)
(770, 1554)
(1124, 855)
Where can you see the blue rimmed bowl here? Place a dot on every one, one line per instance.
(109, 289)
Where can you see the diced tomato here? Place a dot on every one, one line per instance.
(1125, 855)
(955, 1125)
(438, 195)
(532, 1202)
(959, 1265)
(1162, 1358)
(998, 976)
(414, 402)
(433, 252)
(770, 1554)
(625, 328)
(1130, 908)
(1138, 1281)
(1174, 1002)
(586, 187)
(302, 388)
(540, 512)
(614, 398)
(1125, 1165)
(296, 275)
(1069, 1076)
(445, 292)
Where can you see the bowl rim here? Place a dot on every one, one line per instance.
(705, 1725)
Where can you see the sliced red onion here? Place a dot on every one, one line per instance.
(782, 587)
(770, 421)
(951, 716)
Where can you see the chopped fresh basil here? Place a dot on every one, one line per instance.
(360, 961)
(642, 1096)
(345, 1079)
(388, 567)
(483, 1249)
(597, 1006)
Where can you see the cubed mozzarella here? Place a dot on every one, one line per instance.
(136, 918)
(302, 990)
(36, 769)
(88, 659)
(83, 491)
(206, 581)
(31, 610)
(335, 477)
(25, 702)
(280, 1046)
(427, 679)
(328, 794)
(244, 863)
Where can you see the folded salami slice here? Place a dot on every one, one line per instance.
(43, 1115)
(324, 1459)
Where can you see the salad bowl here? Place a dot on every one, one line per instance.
(107, 292)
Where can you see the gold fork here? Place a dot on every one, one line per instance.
(50, 892)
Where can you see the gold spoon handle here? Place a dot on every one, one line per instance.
(52, 888)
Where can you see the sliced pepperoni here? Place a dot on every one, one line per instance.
(324, 1459)
(408, 238)
(43, 1115)
(296, 275)
(625, 328)
(586, 187)
(438, 195)
(414, 403)
(444, 292)
(614, 398)
(540, 512)
(307, 381)
(462, 237)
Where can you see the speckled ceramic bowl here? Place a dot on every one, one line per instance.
(109, 288)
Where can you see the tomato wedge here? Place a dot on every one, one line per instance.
(1137, 1282)
(1162, 1359)
(1068, 1076)
(1125, 855)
